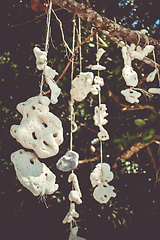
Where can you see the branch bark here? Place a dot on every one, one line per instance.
(136, 148)
(103, 23)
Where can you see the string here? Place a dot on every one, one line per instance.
(72, 118)
(47, 42)
(99, 96)
(80, 49)
(61, 27)
(72, 100)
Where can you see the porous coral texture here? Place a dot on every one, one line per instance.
(39, 129)
(33, 174)
(81, 86)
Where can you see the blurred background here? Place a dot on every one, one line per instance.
(132, 150)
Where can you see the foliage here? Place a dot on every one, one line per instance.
(137, 199)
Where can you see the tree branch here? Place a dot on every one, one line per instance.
(121, 44)
(136, 148)
(124, 107)
(103, 23)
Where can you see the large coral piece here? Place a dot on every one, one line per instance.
(39, 129)
(33, 174)
(100, 177)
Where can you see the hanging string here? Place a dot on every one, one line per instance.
(99, 96)
(80, 49)
(61, 27)
(47, 41)
(72, 118)
(48, 26)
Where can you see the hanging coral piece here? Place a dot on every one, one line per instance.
(154, 90)
(129, 53)
(131, 95)
(41, 62)
(55, 90)
(81, 86)
(99, 115)
(130, 76)
(141, 53)
(99, 80)
(41, 58)
(39, 129)
(151, 76)
(99, 54)
(74, 197)
(101, 174)
(103, 134)
(73, 178)
(102, 193)
(98, 67)
(73, 234)
(71, 214)
(126, 56)
(95, 89)
(68, 162)
(33, 174)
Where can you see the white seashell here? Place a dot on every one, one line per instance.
(98, 67)
(71, 214)
(99, 54)
(41, 58)
(73, 234)
(130, 76)
(131, 95)
(99, 115)
(151, 76)
(33, 174)
(99, 80)
(103, 134)
(39, 129)
(102, 194)
(154, 90)
(95, 89)
(81, 86)
(74, 197)
(68, 162)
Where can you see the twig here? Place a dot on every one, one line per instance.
(32, 20)
(19, 24)
(75, 50)
(124, 107)
(152, 158)
(89, 160)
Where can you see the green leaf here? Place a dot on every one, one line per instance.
(139, 122)
(148, 135)
(152, 117)
(119, 140)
